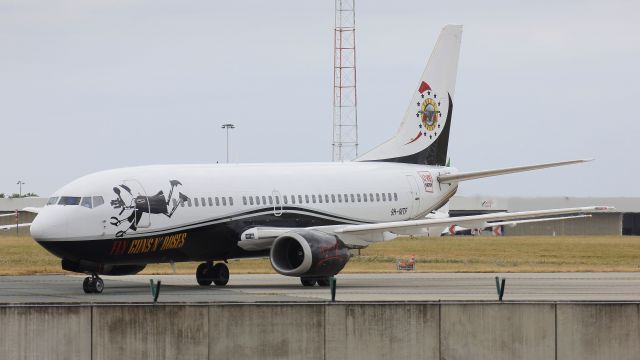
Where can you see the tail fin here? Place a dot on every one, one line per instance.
(423, 136)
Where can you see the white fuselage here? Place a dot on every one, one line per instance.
(356, 192)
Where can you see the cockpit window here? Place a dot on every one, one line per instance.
(97, 201)
(86, 202)
(52, 200)
(69, 200)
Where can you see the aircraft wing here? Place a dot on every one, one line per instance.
(365, 234)
(455, 228)
(12, 227)
(362, 235)
(30, 209)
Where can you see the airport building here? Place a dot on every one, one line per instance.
(624, 220)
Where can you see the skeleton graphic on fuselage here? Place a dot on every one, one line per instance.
(140, 204)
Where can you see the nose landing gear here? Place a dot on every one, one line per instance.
(208, 273)
(93, 284)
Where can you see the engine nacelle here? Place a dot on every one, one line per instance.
(101, 269)
(308, 253)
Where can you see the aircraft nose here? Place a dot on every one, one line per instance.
(47, 226)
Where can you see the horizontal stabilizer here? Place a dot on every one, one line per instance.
(450, 178)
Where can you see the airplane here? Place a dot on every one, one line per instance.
(305, 217)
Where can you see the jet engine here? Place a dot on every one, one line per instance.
(308, 253)
(101, 269)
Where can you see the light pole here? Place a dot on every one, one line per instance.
(20, 183)
(227, 127)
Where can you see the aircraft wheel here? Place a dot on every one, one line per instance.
(323, 281)
(98, 286)
(204, 274)
(306, 281)
(93, 284)
(86, 285)
(220, 274)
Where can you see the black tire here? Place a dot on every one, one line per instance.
(323, 281)
(308, 281)
(203, 274)
(98, 286)
(86, 285)
(220, 274)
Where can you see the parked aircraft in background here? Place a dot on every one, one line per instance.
(305, 217)
(12, 226)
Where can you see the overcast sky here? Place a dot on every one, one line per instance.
(93, 85)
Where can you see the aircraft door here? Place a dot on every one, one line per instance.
(277, 202)
(414, 193)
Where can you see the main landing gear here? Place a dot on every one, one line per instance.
(93, 284)
(312, 281)
(208, 273)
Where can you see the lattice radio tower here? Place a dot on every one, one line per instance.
(345, 114)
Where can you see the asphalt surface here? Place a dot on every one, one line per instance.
(350, 287)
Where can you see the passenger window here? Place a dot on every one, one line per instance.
(52, 201)
(284, 199)
(306, 199)
(195, 202)
(395, 196)
(250, 200)
(353, 198)
(299, 199)
(359, 197)
(333, 198)
(189, 202)
(270, 200)
(98, 200)
(224, 201)
(293, 199)
(218, 201)
(244, 200)
(320, 199)
(339, 198)
(326, 198)
(210, 201)
(389, 196)
(364, 197)
(384, 197)
(86, 202)
(378, 197)
(257, 200)
(371, 197)
(69, 200)
(277, 200)
(313, 198)
(203, 202)
(264, 200)
(230, 201)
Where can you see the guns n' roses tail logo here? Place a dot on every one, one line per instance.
(428, 113)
